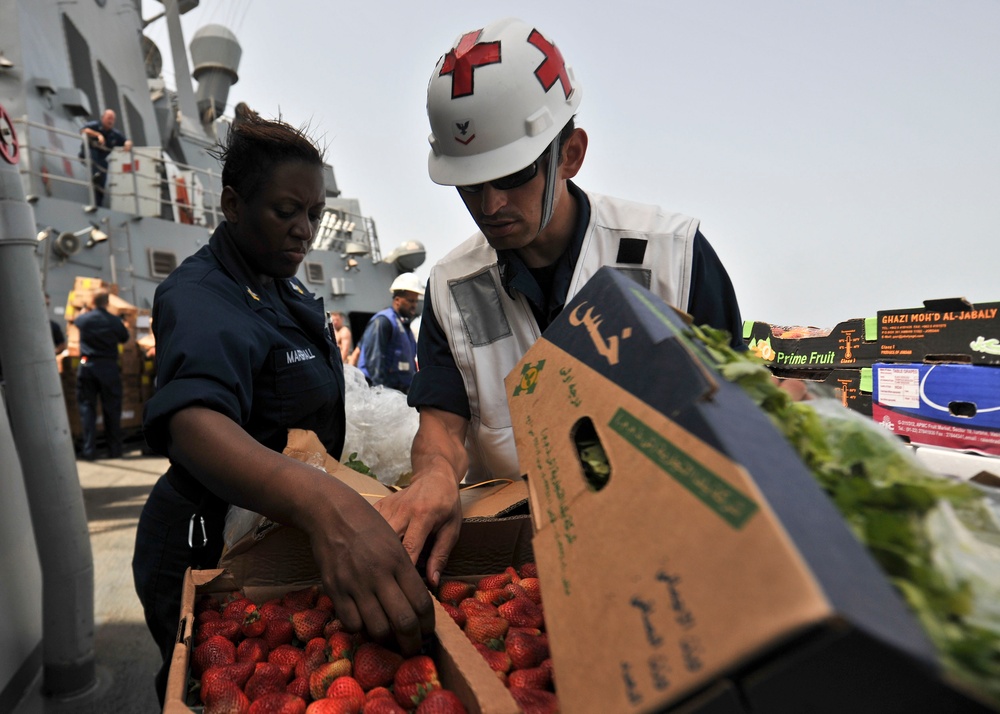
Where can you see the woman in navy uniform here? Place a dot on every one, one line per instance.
(243, 355)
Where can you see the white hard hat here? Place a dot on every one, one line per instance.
(407, 281)
(495, 102)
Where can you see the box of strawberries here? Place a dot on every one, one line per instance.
(277, 648)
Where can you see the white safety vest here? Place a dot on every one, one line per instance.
(489, 332)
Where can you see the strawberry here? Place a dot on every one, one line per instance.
(266, 679)
(238, 672)
(224, 696)
(299, 687)
(272, 610)
(522, 612)
(227, 628)
(323, 602)
(375, 665)
(215, 650)
(490, 631)
(278, 632)
(207, 616)
(470, 606)
(383, 706)
(524, 630)
(322, 677)
(253, 622)
(457, 615)
(236, 609)
(526, 650)
(311, 660)
(301, 599)
(454, 591)
(309, 623)
(533, 588)
(341, 645)
(491, 582)
(493, 596)
(316, 644)
(333, 706)
(531, 678)
(515, 577)
(535, 701)
(378, 693)
(206, 603)
(333, 625)
(441, 701)
(528, 570)
(415, 677)
(253, 649)
(278, 703)
(498, 660)
(347, 687)
(285, 656)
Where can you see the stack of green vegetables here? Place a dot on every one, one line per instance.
(886, 497)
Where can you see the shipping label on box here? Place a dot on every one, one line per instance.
(950, 330)
(951, 405)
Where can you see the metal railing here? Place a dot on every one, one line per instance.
(339, 232)
(162, 200)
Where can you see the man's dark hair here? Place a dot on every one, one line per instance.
(255, 146)
(100, 300)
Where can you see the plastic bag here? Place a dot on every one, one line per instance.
(380, 427)
(966, 549)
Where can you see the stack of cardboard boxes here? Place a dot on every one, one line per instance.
(136, 368)
(928, 374)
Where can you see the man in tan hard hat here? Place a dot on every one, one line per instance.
(388, 347)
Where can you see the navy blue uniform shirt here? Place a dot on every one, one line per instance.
(100, 334)
(260, 355)
(99, 152)
(438, 384)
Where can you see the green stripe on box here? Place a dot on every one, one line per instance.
(708, 487)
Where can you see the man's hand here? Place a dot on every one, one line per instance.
(429, 506)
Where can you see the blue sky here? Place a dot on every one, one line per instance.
(842, 157)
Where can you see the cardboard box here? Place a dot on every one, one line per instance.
(460, 668)
(851, 344)
(496, 530)
(950, 405)
(951, 330)
(851, 387)
(272, 559)
(710, 555)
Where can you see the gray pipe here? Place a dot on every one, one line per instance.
(45, 448)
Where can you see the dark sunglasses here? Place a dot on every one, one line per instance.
(510, 181)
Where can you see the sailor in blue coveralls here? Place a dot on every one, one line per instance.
(101, 137)
(388, 347)
(100, 376)
(244, 354)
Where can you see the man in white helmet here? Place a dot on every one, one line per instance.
(501, 104)
(388, 347)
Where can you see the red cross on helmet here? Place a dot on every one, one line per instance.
(495, 101)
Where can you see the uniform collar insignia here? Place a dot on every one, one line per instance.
(252, 294)
(295, 286)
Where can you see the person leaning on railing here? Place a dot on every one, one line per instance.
(102, 136)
